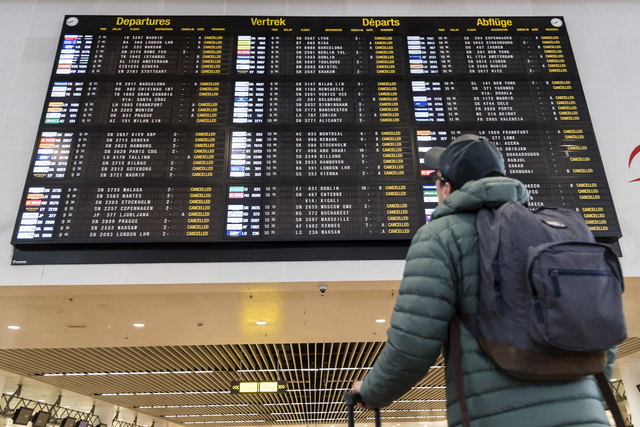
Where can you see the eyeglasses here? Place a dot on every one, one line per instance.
(435, 178)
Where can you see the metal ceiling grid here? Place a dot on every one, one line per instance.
(190, 385)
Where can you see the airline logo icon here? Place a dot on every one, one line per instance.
(634, 153)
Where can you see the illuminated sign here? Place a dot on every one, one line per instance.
(241, 387)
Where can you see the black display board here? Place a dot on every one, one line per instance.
(235, 138)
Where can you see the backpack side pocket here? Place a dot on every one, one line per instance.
(576, 296)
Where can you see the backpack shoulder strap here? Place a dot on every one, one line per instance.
(605, 388)
(456, 356)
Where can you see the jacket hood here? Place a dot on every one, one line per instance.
(486, 192)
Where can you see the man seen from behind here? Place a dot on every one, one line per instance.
(442, 277)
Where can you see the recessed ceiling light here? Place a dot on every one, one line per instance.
(138, 325)
(261, 322)
(14, 327)
(380, 320)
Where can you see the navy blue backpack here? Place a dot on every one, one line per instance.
(550, 299)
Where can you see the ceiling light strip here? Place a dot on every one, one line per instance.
(237, 405)
(224, 422)
(305, 403)
(411, 418)
(312, 419)
(240, 371)
(164, 393)
(305, 413)
(209, 415)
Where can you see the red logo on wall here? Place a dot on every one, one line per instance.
(633, 154)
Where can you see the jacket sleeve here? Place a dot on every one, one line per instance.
(420, 319)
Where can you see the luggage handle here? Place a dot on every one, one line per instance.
(351, 399)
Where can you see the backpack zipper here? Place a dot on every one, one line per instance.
(556, 272)
(497, 286)
(538, 309)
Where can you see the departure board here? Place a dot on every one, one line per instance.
(292, 136)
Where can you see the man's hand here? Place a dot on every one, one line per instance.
(356, 389)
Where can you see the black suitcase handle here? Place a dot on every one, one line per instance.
(351, 399)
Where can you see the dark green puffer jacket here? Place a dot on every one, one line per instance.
(441, 272)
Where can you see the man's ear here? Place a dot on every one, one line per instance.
(447, 189)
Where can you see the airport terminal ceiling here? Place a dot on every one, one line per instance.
(179, 367)
(197, 339)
